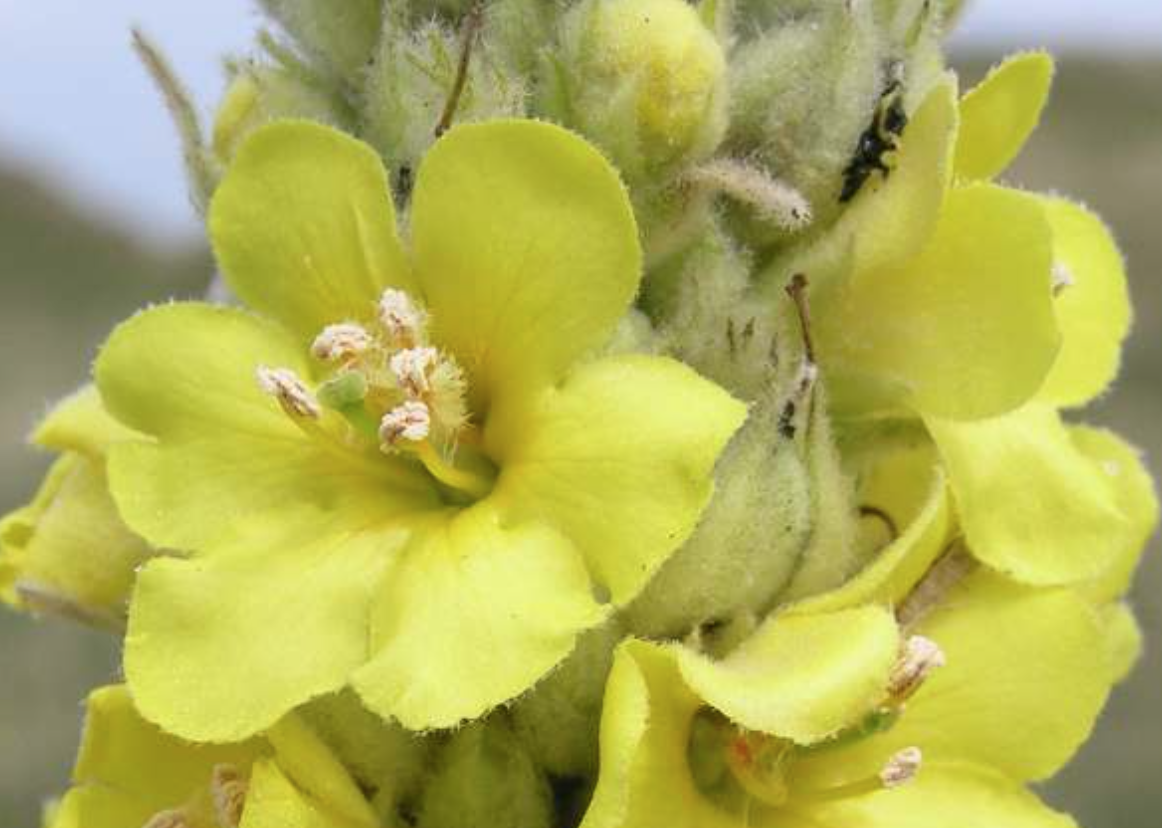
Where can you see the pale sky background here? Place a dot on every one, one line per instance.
(75, 105)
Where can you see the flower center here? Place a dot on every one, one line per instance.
(739, 769)
(394, 393)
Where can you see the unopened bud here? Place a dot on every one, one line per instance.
(658, 57)
(901, 768)
(410, 421)
(285, 386)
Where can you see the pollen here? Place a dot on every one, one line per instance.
(168, 819)
(919, 658)
(402, 319)
(285, 386)
(901, 768)
(413, 368)
(409, 421)
(228, 793)
(341, 343)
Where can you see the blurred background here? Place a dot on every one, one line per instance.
(94, 223)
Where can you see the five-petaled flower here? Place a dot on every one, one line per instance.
(438, 478)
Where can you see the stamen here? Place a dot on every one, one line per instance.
(168, 819)
(228, 792)
(401, 318)
(341, 343)
(902, 768)
(409, 421)
(285, 386)
(413, 368)
(920, 657)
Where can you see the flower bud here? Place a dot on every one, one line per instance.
(646, 80)
(339, 34)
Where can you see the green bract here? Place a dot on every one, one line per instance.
(439, 579)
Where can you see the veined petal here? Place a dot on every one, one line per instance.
(525, 249)
(801, 677)
(303, 226)
(632, 439)
(1027, 672)
(1031, 504)
(1092, 303)
(472, 614)
(972, 797)
(1136, 498)
(646, 718)
(183, 374)
(999, 115)
(911, 489)
(965, 329)
(265, 621)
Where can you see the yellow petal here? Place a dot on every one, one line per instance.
(633, 438)
(999, 115)
(1031, 504)
(1136, 498)
(262, 623)
(801, 677)
(963, 330)
(304, 229)
(1092, 304)
(472, 614)
(525, 248)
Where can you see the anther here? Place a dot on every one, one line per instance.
(228, 793)
(401, 318)
(341, 343)
(409, 421)
(168, 819)
(919, 658)
(901, 768)
(413, 367)
(285, 386)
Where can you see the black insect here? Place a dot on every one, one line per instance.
(880, 138)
